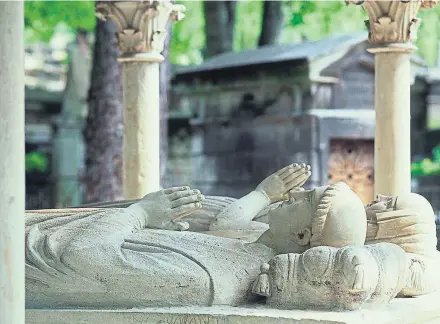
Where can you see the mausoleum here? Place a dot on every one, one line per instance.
(255, 111)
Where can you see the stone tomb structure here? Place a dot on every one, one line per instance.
(279, 246)
(258, 110)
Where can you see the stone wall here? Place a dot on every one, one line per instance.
(237, 143)
(231, 159)
(179, 163)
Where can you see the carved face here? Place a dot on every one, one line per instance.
(379, 205)
(290, 224)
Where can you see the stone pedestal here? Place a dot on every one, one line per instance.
(141, 31)
(421, 310)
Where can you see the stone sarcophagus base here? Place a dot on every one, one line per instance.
(420, 310)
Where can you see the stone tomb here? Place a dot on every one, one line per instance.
(420, 310)
(296, 249)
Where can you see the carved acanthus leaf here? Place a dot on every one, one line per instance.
(428, 4)
(393, 21)
(141, 25)
(131, 41)
(385, 30)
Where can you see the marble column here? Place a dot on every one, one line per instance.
(392, 27)
(141, 31)
(12, 172)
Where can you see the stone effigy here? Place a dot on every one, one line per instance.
(296, 248)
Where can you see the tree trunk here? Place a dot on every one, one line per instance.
(219, 26)
(104, 125)
(164, 87)
(272, 23)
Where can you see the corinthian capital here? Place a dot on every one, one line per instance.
(141, 25)
(393, 22)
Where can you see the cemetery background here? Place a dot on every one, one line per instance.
(206, 114)
(14, 146)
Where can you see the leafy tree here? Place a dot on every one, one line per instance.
(428, 35)
(220, 19)
(248, 30)
(311, 20)
(427, 167)
(36, 161)
(314, 20)
(272, 23)
(188, 40)
(41, 17)
(104, 124)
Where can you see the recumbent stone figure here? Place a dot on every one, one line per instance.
(297, 248)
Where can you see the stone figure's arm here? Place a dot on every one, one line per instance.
(103, 237)
(95, 253)
(161, 210)
(240, 213)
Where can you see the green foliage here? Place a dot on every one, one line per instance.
(188, 40)
(248, 25)
(43, 16)
(301, 9)
(315, 20)
(427, 167)
(312, 20)
(428, 35)
(36, 162)
(318, 19)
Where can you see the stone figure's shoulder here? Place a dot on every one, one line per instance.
(52, 217)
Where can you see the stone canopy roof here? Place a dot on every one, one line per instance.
(277, 53)
(309, 52)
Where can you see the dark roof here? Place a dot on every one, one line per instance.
(277, 53)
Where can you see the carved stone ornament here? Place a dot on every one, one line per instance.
(141, 25)
(393, 21)
(428, 4)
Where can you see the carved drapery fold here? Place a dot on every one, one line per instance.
(141, 25)
(393, 22)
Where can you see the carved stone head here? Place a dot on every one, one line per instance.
(329, 215)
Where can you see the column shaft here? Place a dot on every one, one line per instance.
(141, 32)
(392, 155)
(12, 171)
(141, 128)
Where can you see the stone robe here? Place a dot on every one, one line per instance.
(105, 258)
